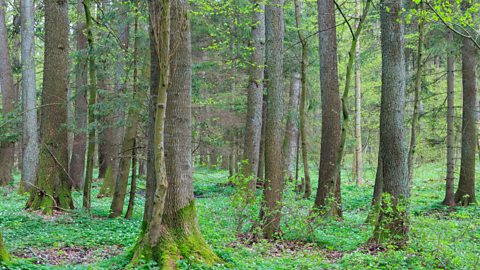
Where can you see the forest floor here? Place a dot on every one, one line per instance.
(441, 238)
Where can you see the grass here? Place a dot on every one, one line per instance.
(440, 238)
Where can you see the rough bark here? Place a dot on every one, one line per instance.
(53, 188)
(416, 99)
(253, 131)
(270, 213)
(393, 219)
(29, 96)
(358, 172)
(77, 161)
(450, 178)
(92, 99)
(331, 111)
(173, 232)
(261, 158)
(291, 129)
(8, 98)
(465, 193)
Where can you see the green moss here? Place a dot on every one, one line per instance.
(4, 256)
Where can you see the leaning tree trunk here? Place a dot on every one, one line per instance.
(270, 213)
(29, 96)
(4, 256)
(450, 179)
(393, 220)
(331, 111)
(465, 194)
(253, 131)
(77, 161)
(173, 232)
(8, 98)
(291, 130)
(53, 187)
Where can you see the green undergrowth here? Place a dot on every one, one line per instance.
(441, 238)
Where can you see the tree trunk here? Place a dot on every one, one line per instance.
(133, 186)
(8, 99)
(253, 131)
(173, 232)
(393, 219)
(416, 99)
(331, 111)
(358, 172)
(291, 130)
(261, 154)
(53, 188)
(270, 213)
(465, 194)
(29, 96)
(77, 162)
(450, 179)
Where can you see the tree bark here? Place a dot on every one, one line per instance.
(393, 219)
(261, 158)
(270, 213)
(53, 187)
(253, 129)
(30, 147)
(173, 232)
(450, 179)
(331, 111)
(291, 130)
(77, 161)
(358, 172)
(8, 99)
(465, 194)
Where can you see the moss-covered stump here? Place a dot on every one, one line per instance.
(4, 256)
(178, 238)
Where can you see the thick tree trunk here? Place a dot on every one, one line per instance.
(77, 161)
(173, 232)
(53, 187)
(270, 213)
(291, 130)
(465, 194)
(253, 129)
(450, 179)
(29, 97)
(416, 100)
(8, 99)
(393, 219)
(4, 255)
(358, 172)
(331, 111)
(92, 99)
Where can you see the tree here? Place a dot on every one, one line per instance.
(291, 130)
(393, 219)
(270, 213)
(465, 193)
(8, 99)
(4, 256)
(29, 95)
(53, 186)
(253, 133)
(358, 159)
(329, 174)
(77, 161)
(172, 231)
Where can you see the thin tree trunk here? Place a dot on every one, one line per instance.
(270, 213)
(92, 99)
(450, 179)
(53, 187)
(261, 158)
(77, 162)
(7, 145)
(393, 219)
(291, 130)
(465, 194)
(416, 99)
(358, 172)
(255, 96)
(133, 185)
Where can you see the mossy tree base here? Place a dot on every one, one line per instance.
(4, 255)
(392, 222)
